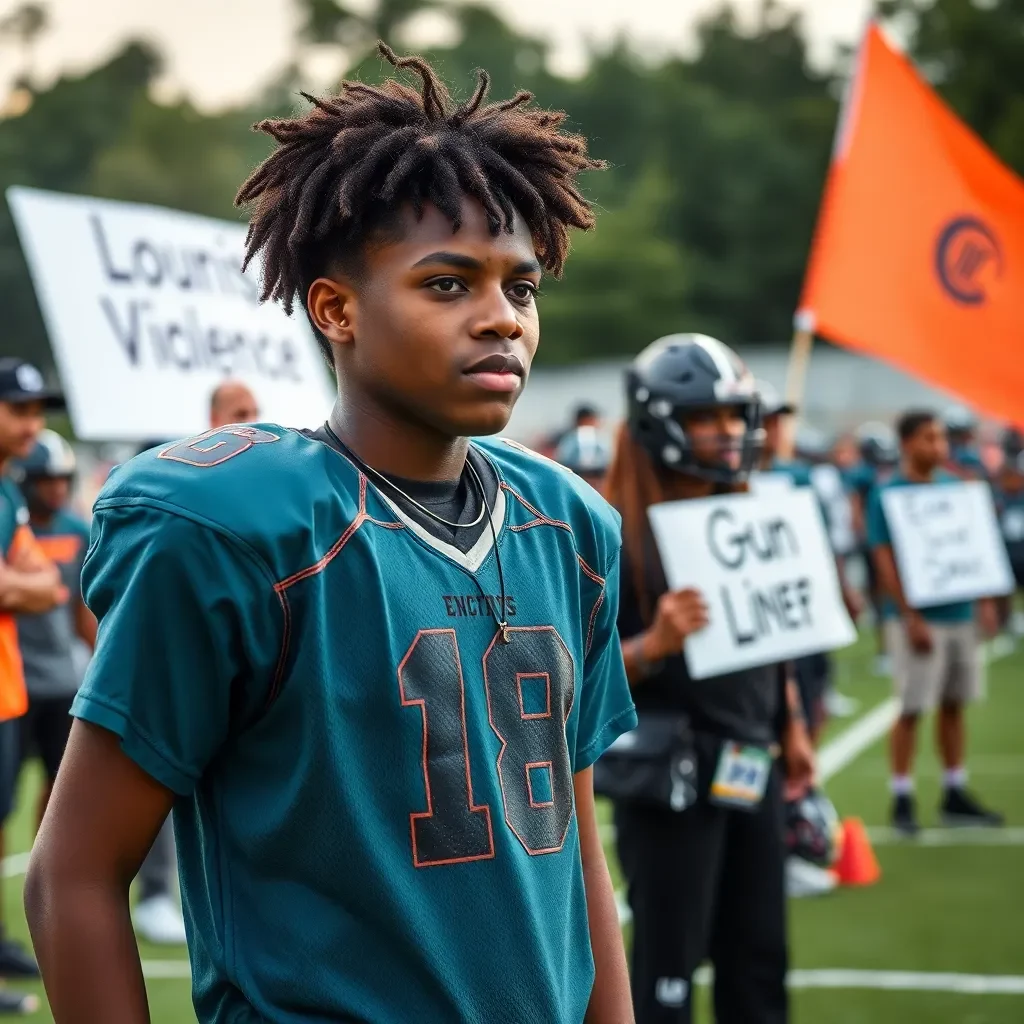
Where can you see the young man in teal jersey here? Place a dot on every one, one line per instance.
(934, 650)
(371, 665)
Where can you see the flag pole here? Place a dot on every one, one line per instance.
(796, 376)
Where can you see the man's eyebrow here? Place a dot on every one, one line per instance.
(449, 259)
(464, 262)
(527, 267)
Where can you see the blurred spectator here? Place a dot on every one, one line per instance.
(879, 457)
(28, 583)
(232, 402)
(583, 415)
(964, 455)
(935, 656)
(587, 453)
(55, 645)
(157, 917)
(1008, 492)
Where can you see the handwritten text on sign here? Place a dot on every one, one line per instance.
(155, 313)
(766, 570)
(947, 543)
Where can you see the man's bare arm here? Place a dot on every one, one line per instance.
(101, 821)
(610, 1001)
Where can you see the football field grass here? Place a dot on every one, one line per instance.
(939, 940)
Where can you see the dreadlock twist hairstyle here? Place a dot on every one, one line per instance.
(345, 167)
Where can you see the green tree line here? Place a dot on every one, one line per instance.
(717, 158)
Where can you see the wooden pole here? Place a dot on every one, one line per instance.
(796, 377)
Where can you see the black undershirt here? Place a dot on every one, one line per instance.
(457, 501)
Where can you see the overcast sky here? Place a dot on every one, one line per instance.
(220, 51)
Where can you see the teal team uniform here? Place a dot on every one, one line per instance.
(375, 818)
(879, 536)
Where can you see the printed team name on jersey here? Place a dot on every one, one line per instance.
(461, 606)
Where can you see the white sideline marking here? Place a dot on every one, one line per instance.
(157, 969)
(15, 864)
(828, 978)
(897, 981)
(835, 755)
(949, 837)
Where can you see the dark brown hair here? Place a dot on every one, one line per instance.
(342, 171)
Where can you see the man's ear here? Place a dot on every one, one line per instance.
(331, 305)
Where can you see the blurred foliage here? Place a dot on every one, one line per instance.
(717, 158)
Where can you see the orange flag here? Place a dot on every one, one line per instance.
(918, 257)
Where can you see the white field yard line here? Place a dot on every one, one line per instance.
(828, 978)
(949, 837)
(897, 981)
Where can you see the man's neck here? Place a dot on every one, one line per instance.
(398, 447)
(43, 519)
(917, 474)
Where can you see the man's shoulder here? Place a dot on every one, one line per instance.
(262, 484)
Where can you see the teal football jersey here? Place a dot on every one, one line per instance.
(375, 816)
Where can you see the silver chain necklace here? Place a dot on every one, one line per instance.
(485, 508)
(412, 501)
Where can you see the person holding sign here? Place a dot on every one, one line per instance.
(697, 788)
(935, 650)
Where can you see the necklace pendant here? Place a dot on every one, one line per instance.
(505, 638)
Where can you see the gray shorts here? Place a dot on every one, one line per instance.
(950, 673)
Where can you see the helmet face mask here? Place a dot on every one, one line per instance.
(684, 394)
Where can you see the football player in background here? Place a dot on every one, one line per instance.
(370, 665)
(55, 645)
(587, 453)
(29, 583)
(965, 459)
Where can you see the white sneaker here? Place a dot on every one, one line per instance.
(158, 920)
(838, 705)
(806, 879)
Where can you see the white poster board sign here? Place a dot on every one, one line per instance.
(147, 311)
(765, 568)
(947, 543)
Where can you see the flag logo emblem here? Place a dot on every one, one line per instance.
(967, 257)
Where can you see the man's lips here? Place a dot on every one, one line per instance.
(501, 371)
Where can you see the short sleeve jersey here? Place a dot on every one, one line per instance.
(376, 817)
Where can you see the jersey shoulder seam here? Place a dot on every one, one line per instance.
(168, 507)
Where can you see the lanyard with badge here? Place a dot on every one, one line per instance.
(741, 777)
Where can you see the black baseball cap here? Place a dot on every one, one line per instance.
(22, 382)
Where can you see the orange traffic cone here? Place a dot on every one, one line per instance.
(857, 864)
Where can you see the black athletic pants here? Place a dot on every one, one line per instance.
(707, 883)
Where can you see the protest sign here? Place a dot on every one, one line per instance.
(947, 543)
(765, 568)
(148, 310)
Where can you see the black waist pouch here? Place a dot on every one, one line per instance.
(655, 764)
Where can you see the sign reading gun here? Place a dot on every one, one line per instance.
(766, 571)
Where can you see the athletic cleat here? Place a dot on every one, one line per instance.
(804, 879)
(961, 810)
(12, 1003)
(159, 921)
(16, 962)
(838, 705)
(904, 815)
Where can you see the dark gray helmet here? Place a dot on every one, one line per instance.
(674, 377)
